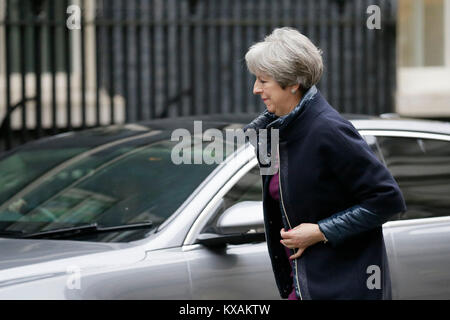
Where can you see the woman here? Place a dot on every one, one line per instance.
(324, 208)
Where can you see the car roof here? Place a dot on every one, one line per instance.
(360, 121)
(234, 118)
(415, 125)
(102, 135)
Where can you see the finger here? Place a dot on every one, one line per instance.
(297, 254)
(289, 245)
(287, 242)
(285, 234)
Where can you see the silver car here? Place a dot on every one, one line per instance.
(107, 214)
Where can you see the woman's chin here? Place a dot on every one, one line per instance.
(270, 109)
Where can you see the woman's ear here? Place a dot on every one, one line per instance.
(295, 88)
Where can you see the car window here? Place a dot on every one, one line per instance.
(21, 168)
(372, 141)
(121, 185)
(248, 188)
(373, 144)
(421, 167)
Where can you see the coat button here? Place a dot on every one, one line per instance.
(269, 154)
(276, 257)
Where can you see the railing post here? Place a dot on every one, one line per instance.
(7, 127)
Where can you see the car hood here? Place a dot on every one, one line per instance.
(22, 259)
(21, 252)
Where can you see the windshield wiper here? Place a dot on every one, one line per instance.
(11, 233)
(84, 229)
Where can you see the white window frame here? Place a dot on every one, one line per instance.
(425, 91)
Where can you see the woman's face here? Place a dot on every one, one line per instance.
(277, 100)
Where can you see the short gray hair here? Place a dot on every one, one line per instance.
(287, 56)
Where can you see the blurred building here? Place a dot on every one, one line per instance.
(423, 72)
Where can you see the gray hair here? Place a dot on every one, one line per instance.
(287, 56)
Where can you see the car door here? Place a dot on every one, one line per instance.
(240, 271)
(418, 241)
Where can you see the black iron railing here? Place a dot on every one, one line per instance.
(134, 60)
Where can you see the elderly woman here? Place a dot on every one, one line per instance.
(324, 208)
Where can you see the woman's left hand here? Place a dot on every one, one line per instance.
(301, 237)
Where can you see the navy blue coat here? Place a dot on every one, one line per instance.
(329, 176)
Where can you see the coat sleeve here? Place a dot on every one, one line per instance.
(359, 171)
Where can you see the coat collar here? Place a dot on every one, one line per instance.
(284, 121)
(297, 122)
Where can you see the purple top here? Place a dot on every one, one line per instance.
(273, 187)
(275, 194)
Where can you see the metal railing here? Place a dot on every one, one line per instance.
(134, 60)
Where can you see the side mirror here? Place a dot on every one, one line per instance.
(243, 217)
(239, 224)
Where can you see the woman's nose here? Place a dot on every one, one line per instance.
(256, 88)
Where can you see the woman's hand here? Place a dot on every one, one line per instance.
(301, 237)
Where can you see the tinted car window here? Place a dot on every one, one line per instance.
(21, 168)
(120, 185)
(421, 167)
(373, 144)
(372, 141)
(248, 188)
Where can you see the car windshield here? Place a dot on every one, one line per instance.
(46, 189)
